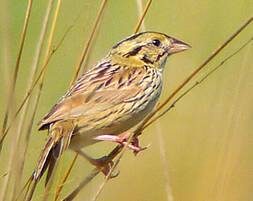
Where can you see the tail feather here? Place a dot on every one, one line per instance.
(44, 159)
(59, 138)
(51, 165)
(56, 152)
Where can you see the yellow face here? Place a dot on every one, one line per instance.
(147, 48)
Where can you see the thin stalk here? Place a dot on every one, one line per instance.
(16, 70)
(25, 188)
(197, 83)
(21, 124)
(225, 163)
(92, 175)
(49, 185)
(41, 73)
(87, 179)
(5, 59)
(82, 60)
(117, 161)
(86, 48)
(138, 25)
(47, 55)
(7, 179)
(59, 187)
(140, 13)
(194, 73)
(164, 161)
(167, 186)
(34, 109)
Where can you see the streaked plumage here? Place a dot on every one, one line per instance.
(110, 98)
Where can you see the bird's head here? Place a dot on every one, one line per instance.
(147, 48)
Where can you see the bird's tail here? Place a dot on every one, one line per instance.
(59, 138)
(60, 134)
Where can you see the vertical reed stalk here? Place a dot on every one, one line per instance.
(7, 179)
(20, 151)
(87, 46)
(16, 70)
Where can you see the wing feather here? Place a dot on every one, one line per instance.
(97, 90)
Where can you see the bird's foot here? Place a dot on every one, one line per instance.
(104, 164)
(123, 140)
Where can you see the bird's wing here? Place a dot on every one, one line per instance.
(100, 89)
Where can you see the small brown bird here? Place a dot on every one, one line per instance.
(109, 99)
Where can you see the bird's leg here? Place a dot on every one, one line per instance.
(123, 140)
(104, 164)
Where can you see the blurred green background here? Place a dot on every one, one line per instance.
(201, 150)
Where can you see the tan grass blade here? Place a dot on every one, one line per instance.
(166, 169)
(197, 83)
(64, 179)
(140, 13)
(16, 70)
(47, 55)
(195, 72)
(36, 82)
(226, 160)
(92, 175)
(84, 55)
(142, 16)
(7, 179)
(167, 186)
(87, 179)
(20, 151)
(87, 46)
(5, 40)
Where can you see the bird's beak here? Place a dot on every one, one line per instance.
(178, 46)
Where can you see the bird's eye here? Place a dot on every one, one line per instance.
(156, 42)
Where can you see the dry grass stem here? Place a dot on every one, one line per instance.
(142, 16)
(16, 70)
(20, 155)
(139, 4)
(84, 55)
(197, 83)
(12, 177)
(162, 150)
(41, 73)
(167, 186)
(87, 46)
(64, 179)
(195, 72)
(93, 174)
(87, 179)
(7, 179)
(47, 55)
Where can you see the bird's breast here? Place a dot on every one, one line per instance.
(129, 113)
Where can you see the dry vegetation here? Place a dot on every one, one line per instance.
(23, 105)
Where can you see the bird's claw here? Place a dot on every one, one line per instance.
(105, 164)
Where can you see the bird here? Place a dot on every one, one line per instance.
(110, 98)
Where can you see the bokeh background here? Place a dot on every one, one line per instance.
(199, 151)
